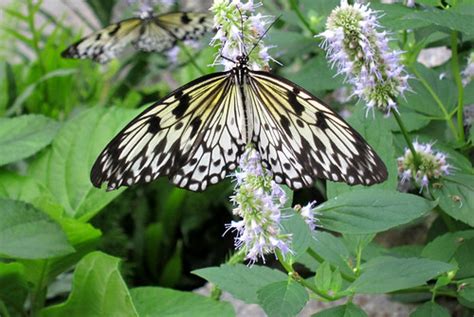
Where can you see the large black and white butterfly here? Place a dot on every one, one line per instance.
(148, 33)
(197, 134)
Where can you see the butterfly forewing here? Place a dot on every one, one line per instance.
(155, 34)
(301, 139)
(194, 136)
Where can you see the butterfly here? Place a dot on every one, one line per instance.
(197, 134)
(148, 33)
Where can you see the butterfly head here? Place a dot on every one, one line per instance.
(242, 61)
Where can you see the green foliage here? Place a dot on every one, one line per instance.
(58, 114)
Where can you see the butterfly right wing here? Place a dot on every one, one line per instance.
(106, 44)
(193, 136)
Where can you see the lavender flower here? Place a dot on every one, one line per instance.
(238, 30)
(146, 7)
(258, 201)
(432, 165)
(307, 212)
(468, 72)
(361, 52)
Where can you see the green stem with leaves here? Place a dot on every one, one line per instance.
(457, 78)
(295, 7)
(407, 137)
(438, 101)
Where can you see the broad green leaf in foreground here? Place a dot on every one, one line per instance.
(347, 310)
(162, 302)
(456, 197)
(14, 288)
(98, 290)
(300, 232)
(282, 299)
(430, 309)
(28, 233)
(371, 210)
(240, 280)
(23, 136)
(65, 168)
(444, 247)
(387, 274)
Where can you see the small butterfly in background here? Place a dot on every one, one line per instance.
(197, 134)
(147, 33)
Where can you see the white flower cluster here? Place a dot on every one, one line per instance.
(258, 201)
(468, 72)
(360, 52)
(432, 165)
(238, 30)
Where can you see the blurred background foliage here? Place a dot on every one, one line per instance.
(74, 107)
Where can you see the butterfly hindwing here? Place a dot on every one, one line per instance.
(151, 34)
(194, 136)
(301, 139)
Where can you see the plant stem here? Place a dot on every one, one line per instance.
(295, 276)
(191, 59)
(458, 80)
(438, 101)
(294, 6)
(407, 137)
(318, 258)
(3, 309)
(38, 296)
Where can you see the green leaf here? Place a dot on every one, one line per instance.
(82, 236)
(456, 198)
(317, 75)
(65, 168)
(347, 310)
(387, 274)
(422, 101)
(300, 234)
(14, 286)
(371, 210)
(412, 121)
(430, 309)
(241, 281)
(27, 233)
(173, 268)
(162, 302)
(394, 13)
(444, 247)
(377, 133)
(98, 290)
(323, 277)
(466, 289)
(446, 18)
(333, 250)
(23, 136)
(290, 44)
(464, 258)
(281, 299)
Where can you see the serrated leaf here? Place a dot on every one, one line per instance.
(456, 198)
(443, 248)
(28, 233)
(347, 310)
(282, 299)
(446, 18)
(98, 290)
(430, 309)
(65, 168)
(332, 250)
(240, 280)
(371, 210)
(161, 302)
(300, 234)
(323, 277)
(387, 274)
(23, 136)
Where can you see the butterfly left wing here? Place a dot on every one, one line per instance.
(301, 139)
(106, 44)
(193, 136)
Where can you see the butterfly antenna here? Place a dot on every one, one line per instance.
(263, 35)
(242, 31)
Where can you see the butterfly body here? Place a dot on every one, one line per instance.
(197, 134)
(148, 33)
